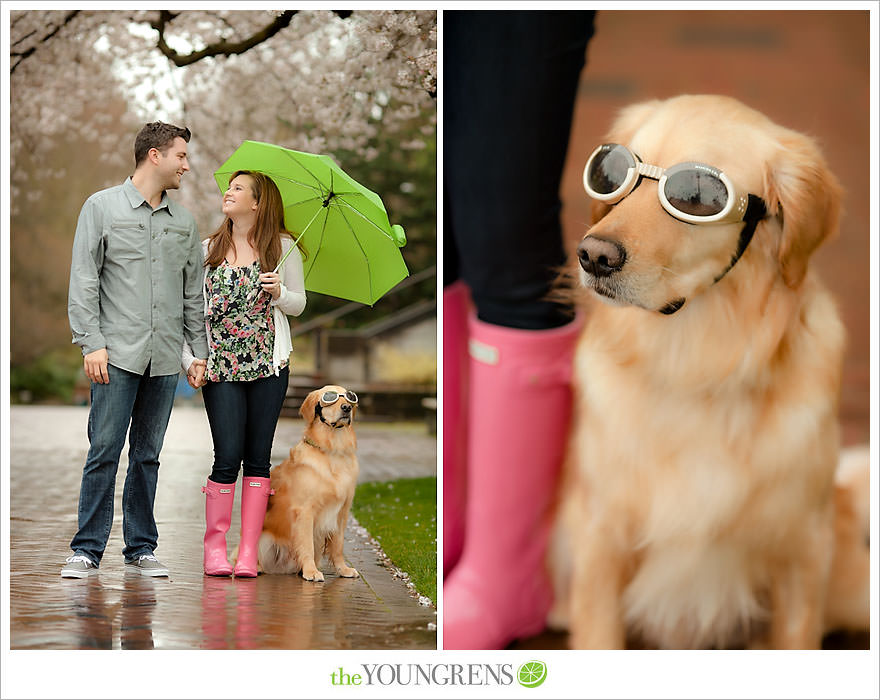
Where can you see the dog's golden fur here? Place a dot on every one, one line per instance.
(313, 492)
(696, 506)
(848, 601)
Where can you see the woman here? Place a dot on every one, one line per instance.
(501, 335)
(245, 380)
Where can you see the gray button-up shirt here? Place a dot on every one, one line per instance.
(136, 281)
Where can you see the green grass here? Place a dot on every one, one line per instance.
(50, 377)
(402, 516)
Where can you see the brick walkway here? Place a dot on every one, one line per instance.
(189, 610)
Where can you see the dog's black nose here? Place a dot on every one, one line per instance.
(600, 257)
(346, 408)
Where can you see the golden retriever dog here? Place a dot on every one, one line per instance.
(314, 489)
(696, 508)
(848, 600)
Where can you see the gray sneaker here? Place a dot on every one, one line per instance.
(78, 566)
(147, 565)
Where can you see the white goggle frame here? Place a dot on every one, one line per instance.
(733, 211)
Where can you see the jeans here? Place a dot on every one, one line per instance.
(143, 403)
(243, 417)
(510, 81)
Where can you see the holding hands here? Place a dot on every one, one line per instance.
(195, 375)
(95, 365)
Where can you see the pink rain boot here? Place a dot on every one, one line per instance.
(254, 499)
(519, 411)
(218, 513)
(456, 304)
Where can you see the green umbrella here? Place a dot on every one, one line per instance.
(353, 251)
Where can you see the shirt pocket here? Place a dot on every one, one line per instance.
(175, 244)
(126, 240)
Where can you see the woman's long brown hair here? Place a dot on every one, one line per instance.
(268, 227)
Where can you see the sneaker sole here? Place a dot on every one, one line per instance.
(78, 574)
(146, 572)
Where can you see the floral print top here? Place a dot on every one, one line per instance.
(241, 329)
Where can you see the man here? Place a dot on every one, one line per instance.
(135, 295)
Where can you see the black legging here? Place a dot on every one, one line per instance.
(243, 417)
(510, 80)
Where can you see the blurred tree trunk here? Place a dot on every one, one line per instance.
(54, 187)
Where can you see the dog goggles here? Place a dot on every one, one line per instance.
(328, 398)
(691, 192)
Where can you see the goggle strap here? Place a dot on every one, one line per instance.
(755, 211)
(319, 412)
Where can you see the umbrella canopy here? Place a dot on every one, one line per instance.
(353, 251)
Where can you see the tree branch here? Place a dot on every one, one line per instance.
(22, 55)
(223, 48)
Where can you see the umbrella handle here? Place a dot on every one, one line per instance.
(289, 250)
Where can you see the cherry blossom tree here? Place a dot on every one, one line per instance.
(358, 85)
(314, 80)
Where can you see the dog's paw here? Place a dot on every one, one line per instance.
(312, 575)
(347, 572)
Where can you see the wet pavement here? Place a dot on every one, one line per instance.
(119, 610)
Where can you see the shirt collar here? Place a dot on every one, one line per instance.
(136, 199)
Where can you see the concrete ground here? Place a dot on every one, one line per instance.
(117, 610)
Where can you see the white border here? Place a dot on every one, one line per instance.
(571, 674)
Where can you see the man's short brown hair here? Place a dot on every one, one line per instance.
(156, 135)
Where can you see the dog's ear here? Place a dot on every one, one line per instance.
(805, 196)
(307, 410)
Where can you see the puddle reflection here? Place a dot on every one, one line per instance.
(138, 605)
(215, 592)
(107, 618)
(93, 619)
(274, 611)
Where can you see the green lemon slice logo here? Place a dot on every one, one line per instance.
(532, 673)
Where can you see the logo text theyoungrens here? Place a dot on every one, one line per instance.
(425, 674)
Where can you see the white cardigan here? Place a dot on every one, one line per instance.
(290, 302)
